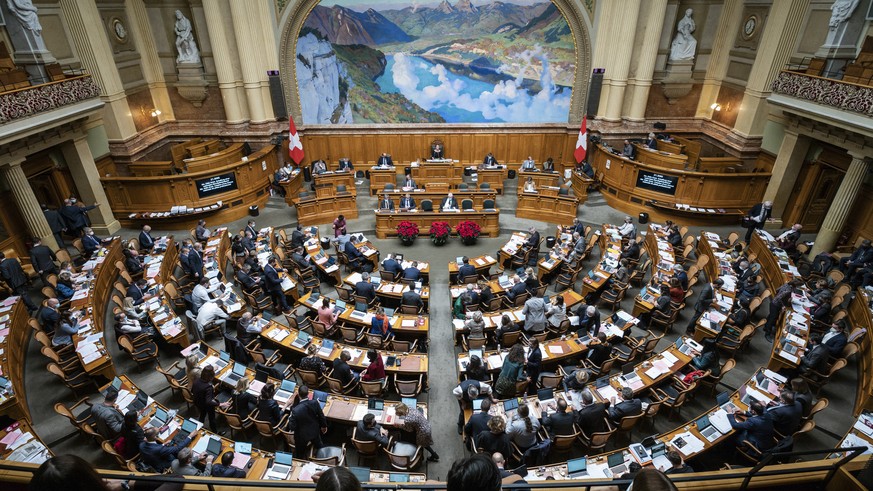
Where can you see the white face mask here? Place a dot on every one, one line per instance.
(73, 201)
(834, 330)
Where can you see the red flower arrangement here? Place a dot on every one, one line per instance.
(468, 230)
(439, 232)
(407, 230)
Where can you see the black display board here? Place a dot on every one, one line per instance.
(216, 184)
(657, 182)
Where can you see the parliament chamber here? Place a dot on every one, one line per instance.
(472, 245)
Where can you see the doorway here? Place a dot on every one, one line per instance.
(822, 196)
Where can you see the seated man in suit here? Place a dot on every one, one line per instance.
(384, 160)
(528, 164)
(412, 272)
(561, 422)
(627, 405)
(466, 269)
(226, 468)
(156, 455)
(412, 298)
(631, 250)
(368, 430)
(408, 182)
(591, 418)
(392, 265)
(386, 204)
(835, 339)
(449, 203)
(138, 291)
(247, 280)
(356, 257)
(629, 151)
(407, 203)
(90, 241)
(365, 289)
(478, 421)
(518, 287)
(757, 428)
(489, 160)
(346, 165)
(786, 414)
(319, 167)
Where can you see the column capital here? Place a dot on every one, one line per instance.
(13, 161)
(859, 155)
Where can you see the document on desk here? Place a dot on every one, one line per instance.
(691, 446)
(495, 361)
(720, 420)
(607, 392)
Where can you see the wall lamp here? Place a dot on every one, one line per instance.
(715, 106)
(154, 112)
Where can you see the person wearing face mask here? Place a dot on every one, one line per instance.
(90, 242)
(835, 339)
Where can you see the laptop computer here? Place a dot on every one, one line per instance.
(139, 403)
(223, 360)
(340, 307)
(238, 372)
(412, 402)
(213, 448)
(159, 419)
(628, 368)
(188, 426)
(376, 406)
(659, 457)
(398, 477)
(286, 390)
(389, 312)
(477, 404)
(261, 374)
(303, 338)
(601, 382)
(281, 467)
(546, 394)
(326, 347)
(510, 404)
(362, 473)
(114, 387)
(615, 462)
(706, 428)
(577, 468)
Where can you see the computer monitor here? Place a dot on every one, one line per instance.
(628, 368)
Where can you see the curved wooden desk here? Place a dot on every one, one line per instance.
(630, 186)
(14, 346)
(386, 221)
(230, 154)
(155, 194)
(554, 209)
(477, 196)
(661, 158)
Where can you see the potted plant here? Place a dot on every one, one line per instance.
(439, 232)
(469, 232)
(407, 231)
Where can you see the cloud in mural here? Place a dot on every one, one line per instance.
(506, 101)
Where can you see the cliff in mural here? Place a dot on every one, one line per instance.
(462, 62)
(323, 83)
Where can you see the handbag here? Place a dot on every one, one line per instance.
(747, 223)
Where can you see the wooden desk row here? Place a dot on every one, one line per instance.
(14, 338)
(661, 254)
(403, 325)
(710, 324)
(860, 318)
(540, 179)
(411, 364)
(314, 210)
(386, 221)
(216, 158)
(478, 197)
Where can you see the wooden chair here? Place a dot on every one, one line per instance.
(613, 296)
(818, 380)
(81, 420)
(602, 370)
(819, 406)
(142, 354)
(730, 344)
(509, 339)
(336, 386)
(597, 441)
(174, 383)
(329, 455)
(288, 438)
(550, 381)
(712, 381)
(80, 381)
(365, 449)
(125, 464)
(403, 346)
(471, 343)
(562, 444)
(312, 379)
(235, 422)
(374, 388)
(404, 456)
(651, 411)
(627, 423)
(409, 387)
(351, 335)
(267, 431)
(675, 394)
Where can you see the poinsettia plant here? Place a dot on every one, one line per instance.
(439, 232)
(469, 230)
(407, 230)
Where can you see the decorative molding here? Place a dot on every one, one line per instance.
(834, 93)
(46, 97)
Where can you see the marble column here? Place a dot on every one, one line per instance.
(27, 203)
(774, 49)
(28, 46)
(151, 64)
(248, 46)
(235, 104)
(641, 83)
(622, 41)
(80, 161)
(92, 46)
(602, 54)
(835, 220)
(788, 163)
(723, 42)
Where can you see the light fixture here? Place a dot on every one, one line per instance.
(153, 112)
(715, 106)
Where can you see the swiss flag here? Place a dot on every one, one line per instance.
(295, 146)
(581, 142)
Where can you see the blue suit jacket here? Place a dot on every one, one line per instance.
(756, 429)
(195, 263)
(411, 273)
(466, 270)
(393, 266)
(160, 456)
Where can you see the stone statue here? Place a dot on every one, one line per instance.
(185, 44)
(684, 45)
(26, 14)
(841, 10)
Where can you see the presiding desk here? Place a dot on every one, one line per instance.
(220, 158)
(387, 221)
(630, 186)
(547, 208)
(336, 178)
(450, 172)
(418, 195)
(493, 176)
(661, 158)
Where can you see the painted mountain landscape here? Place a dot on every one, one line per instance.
(396, 61)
